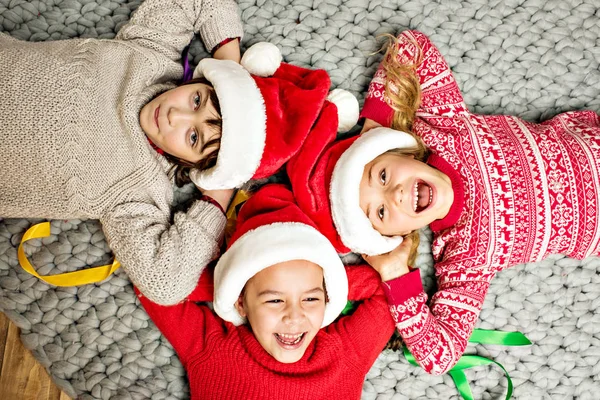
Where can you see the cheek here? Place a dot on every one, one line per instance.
(176, 141)
(263, 320)
(317, 316)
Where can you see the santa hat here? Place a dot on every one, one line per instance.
(272, 229)
(266, 116)
(325, 177)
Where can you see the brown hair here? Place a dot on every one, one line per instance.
(181, 168)
(395, 343)
(403, 92)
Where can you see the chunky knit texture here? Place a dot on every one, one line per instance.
(525, 191)
(72, 146)
(227, 362)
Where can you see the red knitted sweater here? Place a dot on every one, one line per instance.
(226, 362)
(522, 191)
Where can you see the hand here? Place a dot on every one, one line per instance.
(221, 196)
(393, 264)
(229, 51)
(368, 125)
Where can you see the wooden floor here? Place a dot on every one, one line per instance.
(21, 376)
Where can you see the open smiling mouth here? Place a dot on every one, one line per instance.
(423, 195)
(290, 340)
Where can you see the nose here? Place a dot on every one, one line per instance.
(177, 116)
(293, 315)
(395, 195)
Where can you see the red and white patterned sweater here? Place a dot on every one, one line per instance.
(523, 191)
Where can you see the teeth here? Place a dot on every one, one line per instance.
(416, 196)
(290, 339)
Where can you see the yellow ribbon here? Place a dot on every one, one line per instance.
(97, 274)
(76, 278)
(240, 198)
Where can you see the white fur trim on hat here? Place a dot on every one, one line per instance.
(262, 59)
(244, 125)
(268, 245)
(352, 224)
(347, 108)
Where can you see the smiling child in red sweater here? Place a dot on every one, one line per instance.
(278, 291)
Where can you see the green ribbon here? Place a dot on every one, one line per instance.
(481, 336)
(349, 308)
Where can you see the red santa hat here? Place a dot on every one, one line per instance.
(266, 116)
(325, 177)
(272, 229)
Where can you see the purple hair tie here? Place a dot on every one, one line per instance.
(188, 72)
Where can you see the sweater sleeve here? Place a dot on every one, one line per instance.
(437, 334)
(440, 95)
(369, 328)
(167, 26)
(196, 319)
(164, 256)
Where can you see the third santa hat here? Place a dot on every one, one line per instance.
(325, 177)
(267, 108)
(272, 229)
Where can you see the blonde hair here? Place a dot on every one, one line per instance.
(403, 92)
(402, 87)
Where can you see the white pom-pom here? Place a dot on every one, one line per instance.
(347, 107)
(262, 59)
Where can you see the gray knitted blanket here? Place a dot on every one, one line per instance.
(532, 58)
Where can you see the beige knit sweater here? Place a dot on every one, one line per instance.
(72, 146)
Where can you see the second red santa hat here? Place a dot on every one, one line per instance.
(272, 229)
(325, 177)
(267, 109)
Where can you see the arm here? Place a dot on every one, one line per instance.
(167, 26)
(170, 320)
(437, 334)
(205, 288)
(164, 256)
(440, 95)
(229, 50)
(370, 327)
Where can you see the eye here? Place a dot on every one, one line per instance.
(197, 101)
(312, 299)
(274, 301)
(193, 138)
(381, 213)
(382, 176)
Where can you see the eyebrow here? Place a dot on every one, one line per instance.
(271, 292)
(369, 205)
(317, 289)
(201, 141)
(277, 293)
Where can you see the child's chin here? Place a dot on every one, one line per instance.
(290, 358)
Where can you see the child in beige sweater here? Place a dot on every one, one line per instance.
(75, 143)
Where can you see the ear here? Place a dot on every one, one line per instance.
(239, 306)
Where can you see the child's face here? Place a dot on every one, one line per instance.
(400, 194)
(285, 306)
(176, 121)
